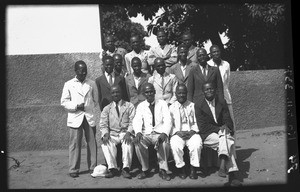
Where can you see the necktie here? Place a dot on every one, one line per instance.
(110, 80)
(117, 109)
(151, 106)
(204, 73)
(182, 114)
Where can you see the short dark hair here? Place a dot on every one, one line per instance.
(135, 58)
(211, 83)
(77, 63)
(107, 57)
(181, 46)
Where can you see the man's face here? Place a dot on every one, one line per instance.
(118, 63)
(135, 43)
(181, 94)
(215, 53)
(109, 65)
(202, 56)
(209, 91)
(109, 43)
(161, 38)
(160, 66)
(187, 40)
(136, 66)
(116, 94)
(182, 54)
(149, 93)
(81, 72)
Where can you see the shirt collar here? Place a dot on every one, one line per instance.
(211, 102)
(106, 74)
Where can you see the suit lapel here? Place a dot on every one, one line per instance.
(143, 78)
(122, 108)
(85, 89)
(167, 79)
(188, 69)
(210, 71)
(104, 80)
(218, 108)
(207, 110)
(199, 72)
(178, 72)
(130, 81)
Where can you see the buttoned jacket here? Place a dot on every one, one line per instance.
(136, 93)
(166, 92)
(168, 50)
(177, 71)
(74, 93)
(176, 118)
(142, 122)
(112, 123)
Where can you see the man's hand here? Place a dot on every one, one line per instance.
(190, 134)
(182, 134)
(80, 107)
(105, 138)
(127, 138)
(162, 137)
(138, 138)
(225, 128)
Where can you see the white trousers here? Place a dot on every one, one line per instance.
(234, 128)
(110, 151)
(142, 151)
(224, 145)
(194, 145)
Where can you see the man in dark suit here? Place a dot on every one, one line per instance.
(216, 131)
(200, 75)
(108, 79)
(183, 66)
(135, 82)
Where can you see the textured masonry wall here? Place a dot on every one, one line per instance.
(35, 120)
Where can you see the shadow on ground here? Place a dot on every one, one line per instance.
(244, 166)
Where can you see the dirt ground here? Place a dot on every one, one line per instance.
(261, 157)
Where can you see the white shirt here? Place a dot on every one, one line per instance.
(108, 76)
(136, 81)
(183, 68)
(142, 122)
(225, 74)
(202, 69)
(143, 55)
(212, 105)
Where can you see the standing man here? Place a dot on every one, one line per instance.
(163, 82)
(119, 66)
(200, 75)
(116, 127)
(135, 82)
(224, 68)
(110, 49)
(108, 79)
(188, 40)
(164, 50)
(137, 51)
(183, 67)
(79, 98)
(152, 125)
(216, 131)
(184, 133)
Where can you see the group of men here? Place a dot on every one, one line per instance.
(169, 97)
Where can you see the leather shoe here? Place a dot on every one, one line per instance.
(193, 174)
(143, 174)
(221, 173)
(112, 172)
(182, 174)
(233, 181)
(73, 175)
(163, 174)
(125, 173)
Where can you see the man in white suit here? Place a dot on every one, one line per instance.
(80, 98)
(152, 125)
(164, 50)
(116, 127)
(163, 82)
(184, 133)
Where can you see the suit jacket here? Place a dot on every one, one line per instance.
(167, 92)
(159, 52)
(112, 123)
(104, 89)
(205, 119)
(142, 121)
(75, 93)
(176, 117)
(196, 80)
(143, 55)
(176, 70)
(136, 93)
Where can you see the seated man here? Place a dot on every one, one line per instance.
(216, 130)
(152, 125)
(135, 82)
(163, 82)
(183, 132)
(116, 127)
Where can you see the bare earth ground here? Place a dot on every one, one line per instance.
(261, 155)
